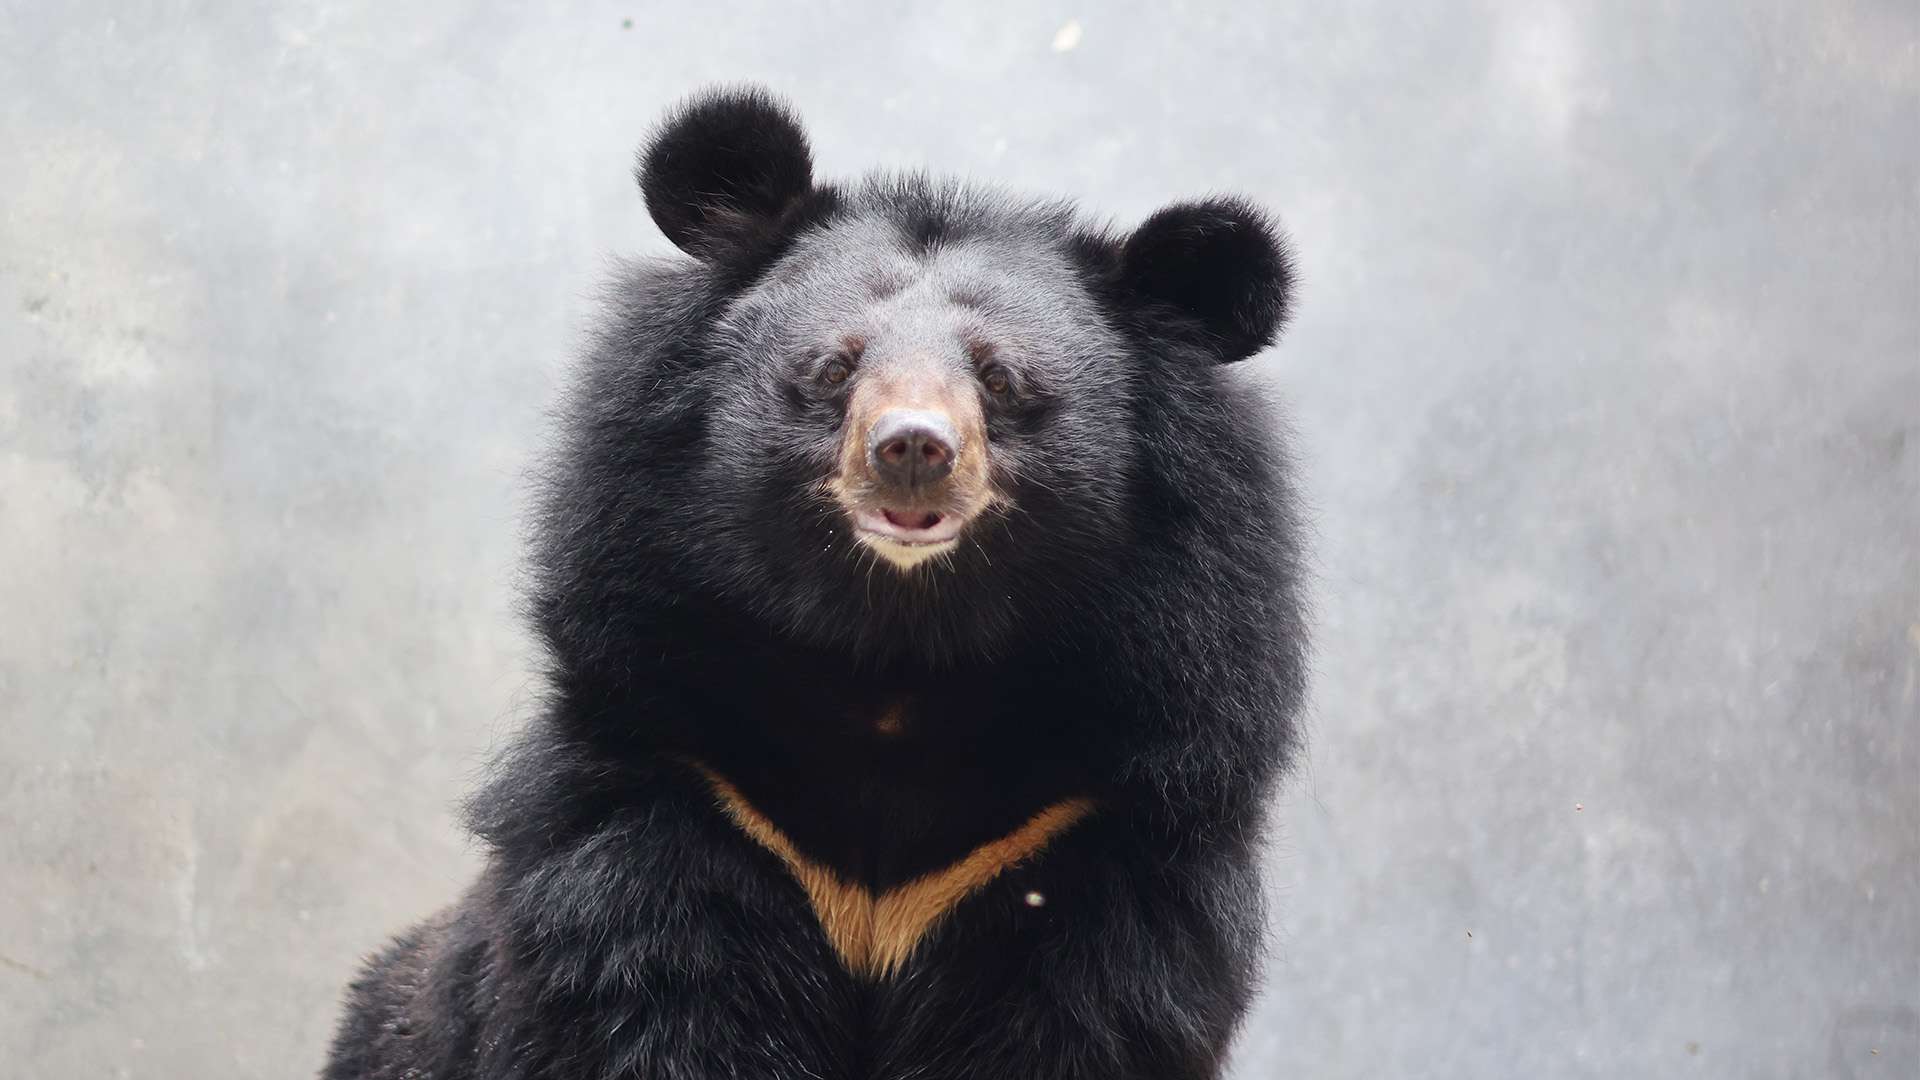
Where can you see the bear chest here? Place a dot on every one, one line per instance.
(890, 820)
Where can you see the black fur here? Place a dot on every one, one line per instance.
(1219, 263)
(723, 167)
(1127, 630)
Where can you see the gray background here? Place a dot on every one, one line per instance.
(1606, 386)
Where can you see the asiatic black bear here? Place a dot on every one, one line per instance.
(921, 594)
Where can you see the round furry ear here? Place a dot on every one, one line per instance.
(1222, 263)
(722, 160)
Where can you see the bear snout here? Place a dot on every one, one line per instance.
(911, 448)
(913, 470)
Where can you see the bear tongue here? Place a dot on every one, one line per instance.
(912, 519)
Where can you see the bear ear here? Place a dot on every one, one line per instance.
(1220, 262)
(723, 160)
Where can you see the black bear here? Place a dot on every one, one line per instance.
(921, 595)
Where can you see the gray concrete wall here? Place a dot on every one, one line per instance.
(1606, 384)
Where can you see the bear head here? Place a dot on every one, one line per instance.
(905, 416)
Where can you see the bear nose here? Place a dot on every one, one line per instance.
(909, 447)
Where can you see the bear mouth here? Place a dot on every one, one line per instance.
(907, 538)
(911, 526)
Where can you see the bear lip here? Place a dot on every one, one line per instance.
(910, 526)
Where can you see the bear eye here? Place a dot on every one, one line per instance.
(996, 380)
(837, 371)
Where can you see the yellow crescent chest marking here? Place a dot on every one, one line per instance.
(875, 935)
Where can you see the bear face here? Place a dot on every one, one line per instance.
(899, 417)
(933, 393)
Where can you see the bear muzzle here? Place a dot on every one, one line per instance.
(912, 477)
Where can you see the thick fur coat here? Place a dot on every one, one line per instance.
(920, 590)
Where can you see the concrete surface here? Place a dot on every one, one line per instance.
(1607, 389)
